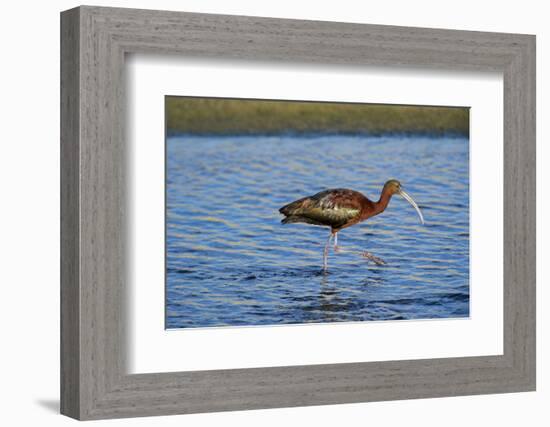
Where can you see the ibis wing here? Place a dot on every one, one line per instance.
(333, 208)
(336, 217)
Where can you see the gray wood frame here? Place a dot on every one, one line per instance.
(94, 41)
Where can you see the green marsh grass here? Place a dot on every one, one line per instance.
(236, 116)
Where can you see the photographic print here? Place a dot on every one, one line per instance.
(294, 212)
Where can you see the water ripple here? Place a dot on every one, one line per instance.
(231, 262)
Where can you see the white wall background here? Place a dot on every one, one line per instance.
(29, 212)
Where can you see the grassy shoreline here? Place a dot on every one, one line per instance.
(212, 116)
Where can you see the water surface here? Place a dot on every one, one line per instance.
(231, 262)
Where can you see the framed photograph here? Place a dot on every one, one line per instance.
(262, 213)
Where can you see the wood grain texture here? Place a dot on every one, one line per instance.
(94, 382)
(70, 291)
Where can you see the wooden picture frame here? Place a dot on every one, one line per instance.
(94, 41)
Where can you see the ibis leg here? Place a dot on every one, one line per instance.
(325, 252)
(364, 254)
(371, 257)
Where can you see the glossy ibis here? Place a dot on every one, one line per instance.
(340, 208)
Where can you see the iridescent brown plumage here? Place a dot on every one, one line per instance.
(340, 208)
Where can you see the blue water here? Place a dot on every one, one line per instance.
(231, 262)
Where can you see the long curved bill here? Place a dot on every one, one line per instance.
(413, 203)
